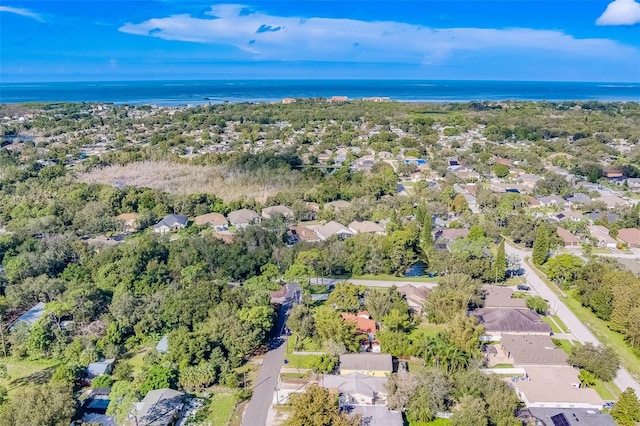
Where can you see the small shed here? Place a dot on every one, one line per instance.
(163, 345)
(100, 368)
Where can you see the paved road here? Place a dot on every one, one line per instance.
(258, 408)
(373, 283)
(623, 380)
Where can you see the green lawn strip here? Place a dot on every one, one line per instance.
(565, 345)
(22, 373)
(221, 407)
(319, 288)
(605, 390)
(515, 281)
(560, 323)
(436, 422)
(300, 361)
(600, 329)
(308, 345)
(552, 323)
(303, 375)
(428, 330)
(415, 365)
(503, 365)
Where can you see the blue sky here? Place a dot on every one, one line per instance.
(578, 40)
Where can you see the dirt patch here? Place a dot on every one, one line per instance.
(174, 178)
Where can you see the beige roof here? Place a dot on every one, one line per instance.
(242, 216)
(304, 233)
(338, 204)
(500, 297)
(366, 362)
(529, 349)
(454, 233)
(356, 383)
(414, 295)
(612, 200)
(365, 227)
(512, 321)
(629, 235)
(567, 236)
(214, 219)
(285, 211)
(555, 385)
(332, 228)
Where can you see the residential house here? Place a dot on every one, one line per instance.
(31, 316)
(529, 181)
(532, 350)
(131, 221)
(601, 235)
(366, 328)
(328, 230)
(337, 204)
(302, 233)
(568, 238)
(497, 322)
(445, 237)
(170, 223)
(376, 365)
(553, 201)
(273, 211)
(243, 218)
(633, 184)
(415, 296)
(599, 216)
(629, 236)
(160, 407)
(366, 227)
(100, 368)
(557, 387)
(356, 389)
(94, 408)
(537, 416)
(566, 215)
(499, 297)
(214, 220)
(612, 201)
(579, 198)
(377, 415)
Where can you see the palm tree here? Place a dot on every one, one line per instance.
(587, 379)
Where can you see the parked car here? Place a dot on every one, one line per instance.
(524, 287)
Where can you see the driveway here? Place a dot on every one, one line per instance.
(258, 408)
(623, 380)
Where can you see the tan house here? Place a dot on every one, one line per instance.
(243, 218)
(375, 365)
(214, 220)
(601, 235)
(532, 350)
(568, 238)
(629, 236)
(337, 205)
(366, 227)
(415, 296)
(273, 211)
(497, 297)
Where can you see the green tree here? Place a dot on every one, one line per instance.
(345, 297)
(587, 379)
(158, 377)
(563, 268)
(500, 263)
(301, 322)
(540, 246)
(602, 361)
(538, 304)
(50, 404)
(470, 411)
(626, 412)
(500, 170)
(316, 407)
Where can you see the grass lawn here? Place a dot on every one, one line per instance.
(304, 375)
(319, 288)
(428, 329)
(22, 373)
(301, 361)
(221, 407)
(599, 328)
(414, 365)
(308, 345)
(607, 390)
(516, 280)
(503, 365)
(554, 326)
(565, 345)
(248, 374)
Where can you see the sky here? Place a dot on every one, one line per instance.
(103, 40)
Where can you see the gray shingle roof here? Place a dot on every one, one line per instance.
(366, 362)
(533, 350)
(512, 321)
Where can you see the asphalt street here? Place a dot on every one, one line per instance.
(623, 380)
(263, 391)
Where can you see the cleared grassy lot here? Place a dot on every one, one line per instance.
(22, 373)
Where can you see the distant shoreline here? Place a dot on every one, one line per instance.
(200, 92)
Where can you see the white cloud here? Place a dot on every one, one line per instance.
(620, 12)
(22, 12)
(322, 39)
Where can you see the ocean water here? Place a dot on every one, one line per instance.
(203, 92)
